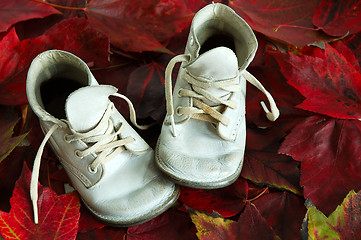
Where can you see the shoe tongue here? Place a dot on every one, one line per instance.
(217, 64)
(85, 107)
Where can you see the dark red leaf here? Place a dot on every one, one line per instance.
(58, 215)
(13, 11)
(251, 225)
(73, 35)
(272, 169)
(146, 90)
(262, 139)
(259, 58)
(289, 21)
(138, 26)
(329, 150)
(226, 201)
(7, 141)
(338, 18)
(172, 224)
(195, 5)
(146, 83)
(353, 43)
(347, 53)
(330, 83)
(107, 233)
(10, 170)
(284, 212)
(285, 96)
(70, 13)
(87, 221)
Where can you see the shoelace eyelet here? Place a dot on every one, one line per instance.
(179, 93)
(177, 111)
(78, 154)
(91, 170)
(66, 138)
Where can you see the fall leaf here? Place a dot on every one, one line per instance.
(13, 11)
(73, 35)
(107, 233)
(172, 224)
(71, 5)
(7, 141)
(58, 215)
(323, 152)
(251, 225)
(286, 97)
(329, 82)
(347, 53)
(343, 223)
(353, 43)
(329, 152)
(338, 18)
(263, 165)
(272, 169)
(284, 212)
(226, 201)
(87, 221)
(136, 25)
(146, 90)
(289, 21)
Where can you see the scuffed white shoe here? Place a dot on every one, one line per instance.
(202, 140)
(108, 163)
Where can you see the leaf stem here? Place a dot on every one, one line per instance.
(258, 196)
(59, 6)
(294, 26)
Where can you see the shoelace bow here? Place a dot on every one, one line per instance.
(105, 146)
(200, 110)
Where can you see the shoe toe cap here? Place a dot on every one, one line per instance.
(199, 169)
(138, 206)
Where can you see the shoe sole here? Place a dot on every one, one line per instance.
(145, 218)
(193, 184)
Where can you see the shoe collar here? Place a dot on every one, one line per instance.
(217, 17)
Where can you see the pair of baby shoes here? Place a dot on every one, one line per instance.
(118, 176)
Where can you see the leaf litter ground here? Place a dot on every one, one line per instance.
(308, 58)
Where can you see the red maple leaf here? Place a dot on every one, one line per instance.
(107, 233)
(353, 43)
(13, 11)
(136, 25)
(226, 201)
(284, 212)
(285, 96)
(329, 82)
(347, 53)
(173, 224)
(87, 221)
(146, 89)
(58, 215)
(272, 169)
(250, 225)
(329, 152)
(73, 35)
(289, 21)
(7, 141)
(263, 165)
(338, 18)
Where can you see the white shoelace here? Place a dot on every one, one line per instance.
(105, 146)
(200, 110)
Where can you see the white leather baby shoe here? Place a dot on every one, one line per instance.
(202, 140)
(108, 163)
